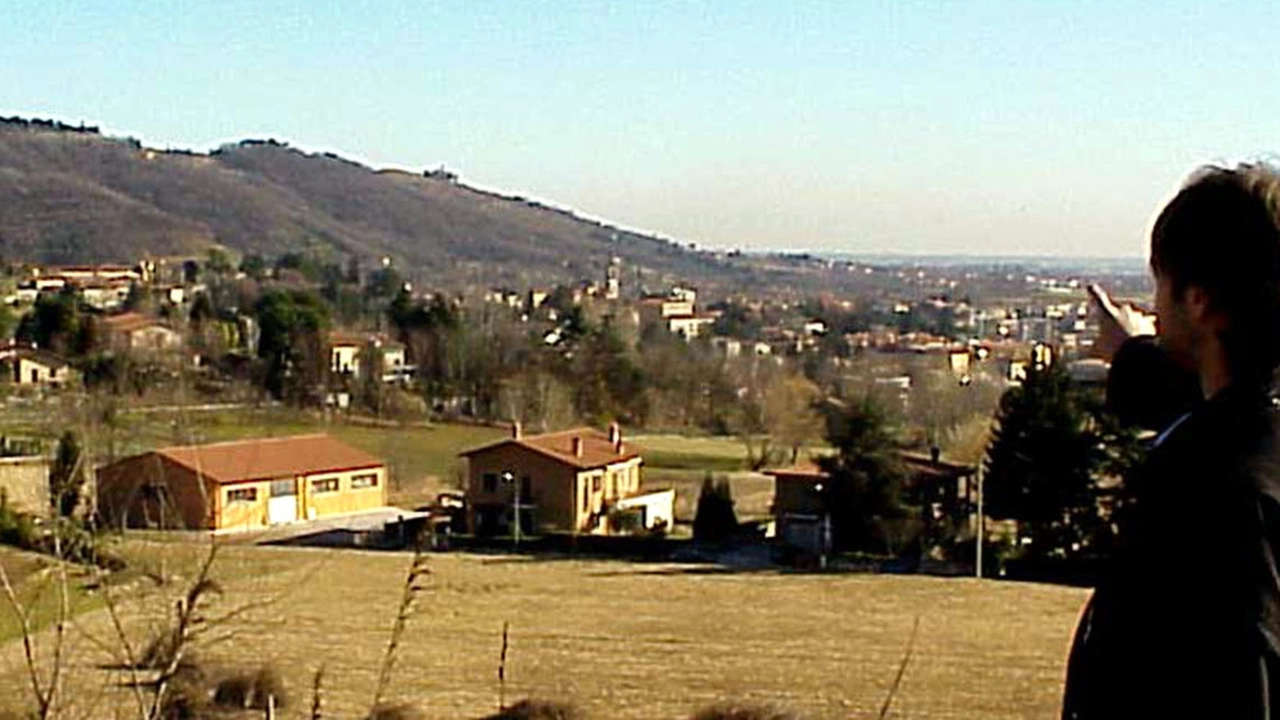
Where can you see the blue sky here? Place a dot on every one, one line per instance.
(1030, 127)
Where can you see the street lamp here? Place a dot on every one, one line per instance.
(825, 540)
(509, 477)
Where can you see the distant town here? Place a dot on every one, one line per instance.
(938, 345)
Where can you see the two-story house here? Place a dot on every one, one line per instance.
(346, 351)
(571, 481)
(131, 331)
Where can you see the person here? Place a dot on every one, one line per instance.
(1185, 620)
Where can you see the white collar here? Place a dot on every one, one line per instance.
(1169, 430)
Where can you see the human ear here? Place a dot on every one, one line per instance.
(1195, 302)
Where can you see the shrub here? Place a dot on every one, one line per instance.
(742, 712)
(402, 711)
(188, 696)
(251, 690)
(539, 710)
(17, 528)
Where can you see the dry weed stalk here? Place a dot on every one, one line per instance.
(45, 690)
(902, 670)
(413, 586)
(317, 682)
(502, 669)
(130, 653)
(187, 620)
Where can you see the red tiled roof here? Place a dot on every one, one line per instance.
(129, 321)
(597, 451)
(264, 458)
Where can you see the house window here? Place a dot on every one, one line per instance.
(242, 495)
(595, 483)
(324, 485)
(526, 487)
(491, 482)
(368, 480)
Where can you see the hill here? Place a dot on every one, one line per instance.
(73, 195)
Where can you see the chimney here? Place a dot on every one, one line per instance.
(615, 433)
(577, 446)
(935, 452)
(517, 430)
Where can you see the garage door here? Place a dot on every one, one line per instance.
(282, 505)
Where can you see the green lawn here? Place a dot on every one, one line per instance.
(422, 458)
(37, 586)
(412, 452)
(678, 452)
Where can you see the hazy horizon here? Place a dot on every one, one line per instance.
(990, 128)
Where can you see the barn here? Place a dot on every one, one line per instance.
(245, 484)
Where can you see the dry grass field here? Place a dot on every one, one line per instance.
(621, 640)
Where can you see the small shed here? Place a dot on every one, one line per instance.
(32, 366)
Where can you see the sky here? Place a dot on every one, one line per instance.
(968, 127)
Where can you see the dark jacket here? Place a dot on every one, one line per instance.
(1185, 621)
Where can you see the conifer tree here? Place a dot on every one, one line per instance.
(1042, 465)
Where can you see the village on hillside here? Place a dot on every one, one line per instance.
(546, 378)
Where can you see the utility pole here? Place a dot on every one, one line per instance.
(981, 528)
(825, 529)
(509, 477)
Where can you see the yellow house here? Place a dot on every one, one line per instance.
(242, 484)
(567, 481)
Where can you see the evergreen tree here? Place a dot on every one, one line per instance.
(1047, 451)
(384, 282)
(254, 266)
(715, 519)
(8, 322)
(66, 475)
(292, 341)
(863, 492)
(353, 270)
(54, 323)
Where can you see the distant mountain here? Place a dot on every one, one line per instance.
(72, 195)
(1046, 263)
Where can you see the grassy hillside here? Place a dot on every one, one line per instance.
(619, 639)
(82, 197)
